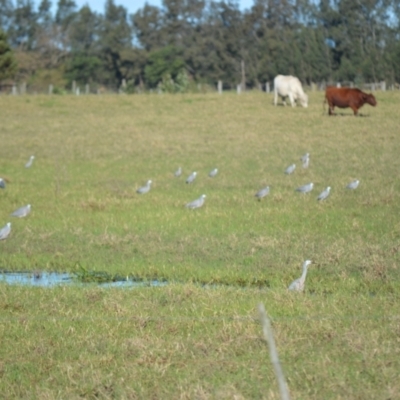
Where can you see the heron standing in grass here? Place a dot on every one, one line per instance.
(305, 188)
(178, 172)
(196, 203)
(5, 231)
(290, 169)
(323, 195)
(191, 177)
(305, 160)
(262, 193)
(298, 284)
(22, 211)
(213, 173)
(144, 189)
(2, 183)
(30, 161)
(353, 185)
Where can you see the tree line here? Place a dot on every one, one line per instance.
(199, 41)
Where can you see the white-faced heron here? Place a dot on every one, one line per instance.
(213, 173)
(298, 284)
(196, 203)
(22, 211)
(290, 169)
(5, 231)
(262, 193)
(323, 195)
(178, 172)
(144, 189)
(305, 160)
(30, 161)
(305, 188)
(191, 177)
(353, 185)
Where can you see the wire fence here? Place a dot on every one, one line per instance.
(103, 89)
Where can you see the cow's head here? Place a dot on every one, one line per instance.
(304, 100)
(369, 98)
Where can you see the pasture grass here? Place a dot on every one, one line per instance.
(340, 339)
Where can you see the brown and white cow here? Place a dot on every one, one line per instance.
(347, 97)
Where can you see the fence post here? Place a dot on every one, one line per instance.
(73, 87)
(220, 87)
(123, 86)
(267, 89)
(373, 87)
(22, 88)
(269, 337)
(243, 83)
(383, 86)
(14, 89)
(78, 91)
(238, 88)
(87, 89)
(351, 84)
(50, 89)
(338, 84)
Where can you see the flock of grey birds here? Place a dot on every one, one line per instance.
(297, 285)
(18, 213)
(193, 204)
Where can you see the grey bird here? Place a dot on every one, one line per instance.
(323, 195)
(5, 231)
(30, 161)
(290, 169)
(22, 211)
(2, 183)
(213, 173)
(196, 203)
(305, 160)
(144, 189)
(298, 284)
(262, 193)
(305, 188)
(353, 185)
(178, 172)
(191, 177)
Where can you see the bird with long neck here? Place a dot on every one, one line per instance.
(298, 284)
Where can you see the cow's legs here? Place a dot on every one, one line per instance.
(355, 110)
(331, 108)
(292, 102)
(275, 97)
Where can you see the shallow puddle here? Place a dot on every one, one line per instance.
(49, 279)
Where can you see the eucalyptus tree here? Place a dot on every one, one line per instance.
(22, 31)
(6, 14)
(8, 65)
(115, 39)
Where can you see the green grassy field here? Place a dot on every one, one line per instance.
(339, 339)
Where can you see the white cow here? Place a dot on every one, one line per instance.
(289, 86)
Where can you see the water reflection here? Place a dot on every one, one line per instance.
(49, 279)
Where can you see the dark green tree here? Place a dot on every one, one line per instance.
(115, 37)
(83, 69)
(6, 14)
(8, 65)
(148, 27)
(163, 62)
(65, 15)
(22, 32)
